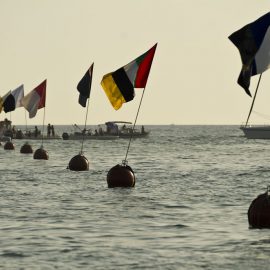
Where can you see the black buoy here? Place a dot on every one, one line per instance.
(65, 136)
(40, 153)
(121, 176)
(9, 146)
(26, 149)
(78, 163)
(259, 211)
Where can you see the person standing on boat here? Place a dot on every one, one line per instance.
(142, 130)
(52, 128)
(36, 131)
(100, 131)
(49, 130)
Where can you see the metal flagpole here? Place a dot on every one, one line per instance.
(43, 127)
(252, 104)
(25, 120)
(124, 162)
(90, 84)
(131, 136)
(84, 130)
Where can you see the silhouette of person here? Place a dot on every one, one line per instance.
(52, 128)
(49, 130)
(36, 131)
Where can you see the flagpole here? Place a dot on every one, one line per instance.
(25, 120)
(43, 128)
(131, 136)
(90, 85)
(252, 104)
(84, 130)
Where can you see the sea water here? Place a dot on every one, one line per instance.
(188, 210)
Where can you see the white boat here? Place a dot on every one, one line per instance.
(125, 130)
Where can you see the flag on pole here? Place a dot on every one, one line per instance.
(253, 43)
(84, 86)
(35, 99)
(13, 100)
(2, 100)
(119, 85)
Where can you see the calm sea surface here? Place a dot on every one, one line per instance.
(188, 209)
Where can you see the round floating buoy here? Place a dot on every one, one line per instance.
(78, 163)
(40, 153)
(65, 136)
(121, 176)
(26, 149)
(9, 146)
(259, 211)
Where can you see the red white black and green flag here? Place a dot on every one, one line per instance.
(119, 85)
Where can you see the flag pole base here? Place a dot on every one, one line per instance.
(121, 176)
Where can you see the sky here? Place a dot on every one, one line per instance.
(193, 79)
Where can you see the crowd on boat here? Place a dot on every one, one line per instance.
(111, 130)
(9, 131)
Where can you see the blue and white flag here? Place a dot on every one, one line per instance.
(84, 86)
(13, 100)
(253, 43)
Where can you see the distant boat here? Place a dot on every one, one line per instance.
(7, 132)
(88, 135)
(30, 135)
(112, 130)
(124, 129)
(256, 132)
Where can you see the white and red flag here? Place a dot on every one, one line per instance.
(35, 100)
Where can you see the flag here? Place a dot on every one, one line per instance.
(2, 100)
(119, 85)
(253, 43)
(84, 86)
(13, 100)
(35, 99)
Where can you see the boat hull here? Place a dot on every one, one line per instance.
(256, 132)
(39, 137)
(67, 136)
(134, 135)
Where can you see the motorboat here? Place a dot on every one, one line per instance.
(87, 134)
(125, 129)
(256, 132)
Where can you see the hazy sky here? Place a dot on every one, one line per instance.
(193, 75)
